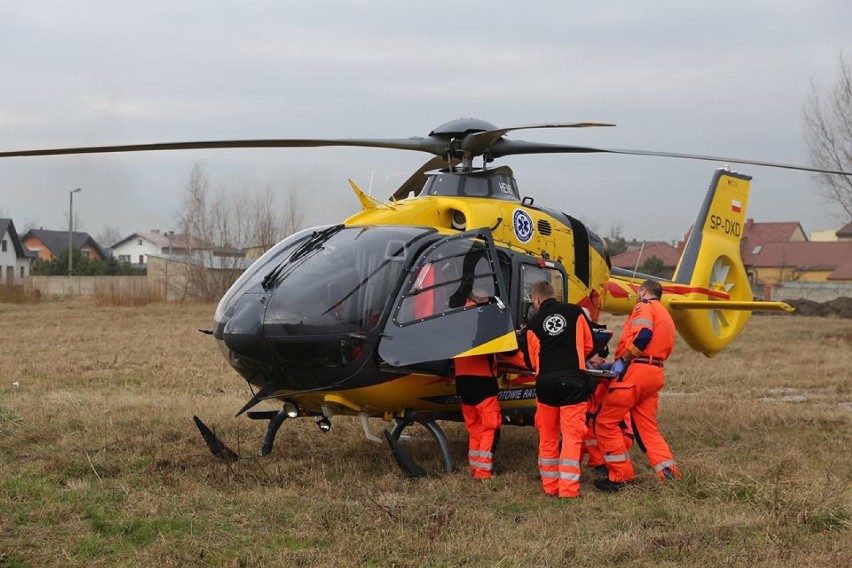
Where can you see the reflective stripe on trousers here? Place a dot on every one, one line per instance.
(486, 463)
(559, 466)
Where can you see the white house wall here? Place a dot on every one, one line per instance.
(135, 250)
(10, 263)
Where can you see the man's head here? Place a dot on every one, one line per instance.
(541, 291)
(478, 296)
(649, 290)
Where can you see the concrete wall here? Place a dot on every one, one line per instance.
(166, 280)
(814, 291)
(84, 285)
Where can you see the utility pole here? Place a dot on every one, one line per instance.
(71, 229)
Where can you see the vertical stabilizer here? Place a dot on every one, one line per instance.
(711, 268)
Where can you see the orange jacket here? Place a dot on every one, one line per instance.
(651, 315)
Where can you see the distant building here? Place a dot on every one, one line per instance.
(802, 262)
(636, 256)
(137, 247)
(826, 236)
(50, 244)
(844, 233)
(15, 259)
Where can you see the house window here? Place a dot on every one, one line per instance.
(22, 272)
(4, 245)
(141, 259)
(124, 258)
(139, 242)
(87, 253)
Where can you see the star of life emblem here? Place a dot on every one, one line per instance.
(554, 324)
(523, 225)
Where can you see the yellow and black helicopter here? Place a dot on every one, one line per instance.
(364, 317)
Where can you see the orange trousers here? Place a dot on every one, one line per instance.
(560, 468)
(591, 453)
(481, 422)
(638, 394)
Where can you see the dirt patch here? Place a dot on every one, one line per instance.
(837, 308)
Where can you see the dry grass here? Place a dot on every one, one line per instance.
(100, 463)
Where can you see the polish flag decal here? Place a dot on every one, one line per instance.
(736, 206)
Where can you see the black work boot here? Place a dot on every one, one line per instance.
(607, 486)
(669, 474)
(601, 470)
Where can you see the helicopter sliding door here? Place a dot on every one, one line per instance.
(452, 303)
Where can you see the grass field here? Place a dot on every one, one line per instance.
(101, 465)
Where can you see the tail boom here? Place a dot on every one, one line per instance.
(710, 295)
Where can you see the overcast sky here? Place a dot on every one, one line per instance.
(723, 78)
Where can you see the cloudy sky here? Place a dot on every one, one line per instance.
(723, 78)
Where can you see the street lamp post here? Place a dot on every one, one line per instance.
(71, 229)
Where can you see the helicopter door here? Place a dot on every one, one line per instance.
(452, 303)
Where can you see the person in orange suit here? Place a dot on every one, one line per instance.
(592, 456)
(646, 342)
(476, 384)
(559, 340)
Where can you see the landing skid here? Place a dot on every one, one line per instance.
(277, 417)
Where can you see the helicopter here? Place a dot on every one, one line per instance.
(364, 317)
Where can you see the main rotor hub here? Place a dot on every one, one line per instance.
(461, 127)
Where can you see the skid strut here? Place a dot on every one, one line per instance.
(404, 459)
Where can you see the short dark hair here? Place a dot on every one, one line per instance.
(653, 287)
(543, 290)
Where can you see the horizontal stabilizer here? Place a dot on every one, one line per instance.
(725, 305)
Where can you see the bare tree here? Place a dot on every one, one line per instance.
(828, 132)
(294, 213)
(109, 236)
(219, 229)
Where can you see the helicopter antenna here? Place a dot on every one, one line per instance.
(638, 258)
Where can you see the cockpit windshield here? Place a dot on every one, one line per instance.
(340, 281)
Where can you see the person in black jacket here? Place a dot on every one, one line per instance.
(559, 340)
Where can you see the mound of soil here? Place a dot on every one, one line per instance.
(838, 308)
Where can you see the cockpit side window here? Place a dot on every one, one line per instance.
(530, 274)
(452, 276)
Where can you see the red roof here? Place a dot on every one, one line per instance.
(758, 234)
(808, 256)
(761, 234)
(664, 251)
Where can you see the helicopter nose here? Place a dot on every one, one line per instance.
(243, 330)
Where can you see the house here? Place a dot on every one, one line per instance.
(635, 257)
(137, 247)
(844, 233)
(50, 244)
(757, 235)
(15, 259)
(826, 261)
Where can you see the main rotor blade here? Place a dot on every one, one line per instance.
(505, 147)
(478, 142)
(431, 145)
